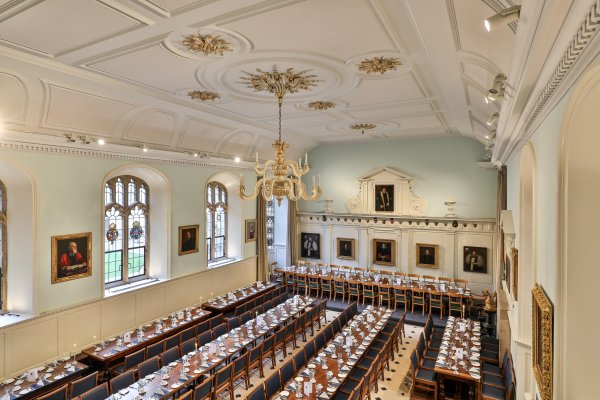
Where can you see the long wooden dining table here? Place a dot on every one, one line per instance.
(459, 355)
(328, 370)
(169, 379)
(115, 349)
(50, 377)
(229, 301)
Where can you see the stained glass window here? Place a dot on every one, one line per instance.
(216, 221)
(126, 230)
(270, 225)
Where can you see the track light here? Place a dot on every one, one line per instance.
(497, 89)
(491, 135)
(492, 119)
(504, 17)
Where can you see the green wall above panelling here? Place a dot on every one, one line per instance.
(443, 168)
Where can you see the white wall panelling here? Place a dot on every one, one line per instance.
(58, 333)
(407, 232)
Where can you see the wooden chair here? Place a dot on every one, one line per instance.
(313, 284)
(455, 304)
(401, 296)
(369, 292)
(300, 263)
(461, 283)
(223, 382)
(301, 283)
(339, 288)
(418, 299)
(423, 379)
(428, 278)
(354, 290)
(131, 362)
(82, 385)
(277, 275)
(447, 281)
(240, 370)
(385, 294)
(327, 286)
(98, 393)
(334, 268)
(413, 277)
(290, 280)
(122, 381)
(435, 301)
(58, 394)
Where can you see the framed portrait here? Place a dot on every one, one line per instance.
(250, 230)
(543, 337)
(310, 245)
(188, 239)
(384, 252)
(427, 255)
(71, 257)
(345, 249)
(475, 259)
(384, 198)
(515, 273)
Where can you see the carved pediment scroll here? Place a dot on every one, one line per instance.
(386, 191)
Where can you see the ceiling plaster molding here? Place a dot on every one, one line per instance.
(155, 8)
(571, 65)
(116, 152)
(453, 24)
(470, 57)
(16, 7)
(387, 25)
(498, 6)
(23, 86)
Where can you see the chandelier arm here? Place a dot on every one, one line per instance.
(296, 170)
(315, 192)
(254, 195)
(266, 166)
(292, 185)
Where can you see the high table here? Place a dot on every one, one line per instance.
(50, 377)
(329, 369)
(229, 301)
(458, 358)
(169, 379)
(113, 351)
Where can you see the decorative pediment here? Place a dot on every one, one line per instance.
(386, 191)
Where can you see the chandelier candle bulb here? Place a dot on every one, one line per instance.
(318, 180)
(257, 157)
(305, 158)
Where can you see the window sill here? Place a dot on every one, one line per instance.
(130, 287)
(222, 263)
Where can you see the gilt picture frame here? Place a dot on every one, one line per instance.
(427, 255)
(384, 252)
(188, 239)
(71, 257)
(345, 249)
(543, 338)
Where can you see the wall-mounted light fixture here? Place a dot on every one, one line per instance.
(492, 119)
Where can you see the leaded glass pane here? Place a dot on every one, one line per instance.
(113, 245)
(143, 194)
(107, 194)
(120, 189)
(131, 192)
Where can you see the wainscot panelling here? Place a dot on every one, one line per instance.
(450, 235)
(43, 338)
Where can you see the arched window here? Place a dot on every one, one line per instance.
(3, 244)
(126, 230)
(270, 225)
(216, 221)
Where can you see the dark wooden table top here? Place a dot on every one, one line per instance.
(171, 325)
(460, 336)
(337, 359)
(168, 380)
(53, 374)
(229, 301)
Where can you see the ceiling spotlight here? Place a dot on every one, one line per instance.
(195, 154)
(101, 142)
(504, 17)
(237, 159)
(492, 119)
(144, 149)
(491, 135)
(497, 89)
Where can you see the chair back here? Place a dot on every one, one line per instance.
(58, 394)
(171, 342)
(428, 278)
(444, 280)
(301, 280)
(369, 290)
(214, 321)
(461, 283)
(204, 338)
(418, 295)
(326, 283)
(202, 327)
(413, 277)
(223, 376)
(287, 372)
(257, 394)
(187, 334)
(148, 367)
(188, 346)
(320, 341)
(290, 277)
(97, 393)
(233, 323)
(204, 390)
(245, 317)
(219, 330)
(273, 384)
(339, 285)
(455, 302)
(309, 350)
(82, 385)
(313, 281)
(122, 381)
(169, 356)
(299, 360)
(134, 359)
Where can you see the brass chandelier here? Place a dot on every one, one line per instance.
(280, 177)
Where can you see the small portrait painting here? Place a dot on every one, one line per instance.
(345, 249)
(250, 230)
(188, 239)
(427, 255)
(475, 259)
(384, 198)
(310, 245)
(384, 252)
(71, 257)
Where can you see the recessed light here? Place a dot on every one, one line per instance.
(101, 142)
(195, 154)
(237, 159)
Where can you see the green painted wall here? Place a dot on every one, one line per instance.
(442, 167)
(70, 200)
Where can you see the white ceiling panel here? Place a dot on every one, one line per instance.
(56, 26)
(13, 101)
(237, 144)
(382, 90)
(151, 66)
(82, 112)
(203, 136)
(155, 126)
(338, 28)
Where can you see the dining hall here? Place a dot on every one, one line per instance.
(299, 199)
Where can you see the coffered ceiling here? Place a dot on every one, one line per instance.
(118, 70)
